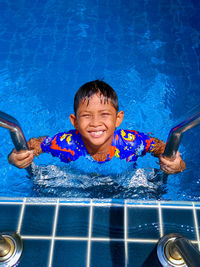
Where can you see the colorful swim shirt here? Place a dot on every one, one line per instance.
(126, 144)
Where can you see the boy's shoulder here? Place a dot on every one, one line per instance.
(131, 143)
(62, 139)
(65, 145)
(67, 135)
(129, 135)
(70, 137)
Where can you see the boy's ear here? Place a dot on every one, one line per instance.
(120, 116)
(73, 120)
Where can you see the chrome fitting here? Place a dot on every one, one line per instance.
(11, 248)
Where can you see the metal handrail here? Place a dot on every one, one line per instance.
(176, 250)
(175, 135)
(189, 253)
(16, 133)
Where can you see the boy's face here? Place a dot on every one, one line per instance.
(96, 121)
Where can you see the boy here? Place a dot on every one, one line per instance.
(95, 119)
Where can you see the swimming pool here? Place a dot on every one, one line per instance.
(147, 51)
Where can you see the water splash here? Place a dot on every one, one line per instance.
(57, 181)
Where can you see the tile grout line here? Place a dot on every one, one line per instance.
(53, 234)
(125, 234)
(101, 204)
(196, 224)
(89, 234)
(21, 216)
(94, 239)
(160, 220)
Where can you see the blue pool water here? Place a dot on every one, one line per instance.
(148, 51)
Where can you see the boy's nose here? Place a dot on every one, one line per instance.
(95, 121)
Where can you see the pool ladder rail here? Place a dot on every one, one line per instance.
(175, 250)
(16, 133)
(176, 133)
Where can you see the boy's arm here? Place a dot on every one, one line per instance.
(158, 147)
(35, 145)
(23, 158)
(168, 165)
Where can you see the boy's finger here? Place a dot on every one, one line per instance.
(24, 155)
(167, 170)
(21, 151)
(24, 163)
(166, 160)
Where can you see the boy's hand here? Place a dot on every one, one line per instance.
(21, 159)
(172, 165)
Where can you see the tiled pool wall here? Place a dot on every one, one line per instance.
(84, 232)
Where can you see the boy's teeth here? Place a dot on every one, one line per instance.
(97, 133)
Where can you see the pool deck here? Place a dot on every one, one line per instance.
(94, 232)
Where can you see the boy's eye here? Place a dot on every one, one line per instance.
(85, 115)
(105, 114)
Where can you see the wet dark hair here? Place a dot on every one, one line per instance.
(94, 87)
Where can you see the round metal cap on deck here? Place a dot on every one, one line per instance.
(11, 248)
(167, 253)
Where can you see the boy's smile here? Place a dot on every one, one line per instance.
(96, 121)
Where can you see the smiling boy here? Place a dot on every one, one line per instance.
(95, 120)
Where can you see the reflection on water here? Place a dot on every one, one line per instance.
(55, 181)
